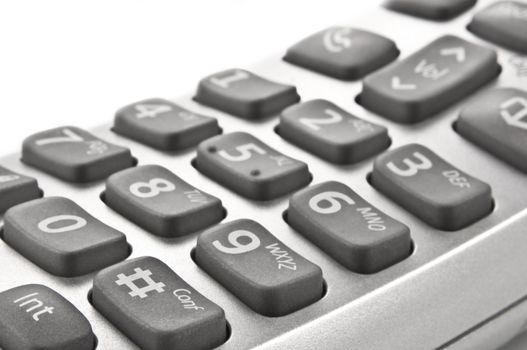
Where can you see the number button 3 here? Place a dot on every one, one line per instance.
(63, 239)
(160, 202)
(260, 270)
(75, 155)
(432, 189)
(249, 167)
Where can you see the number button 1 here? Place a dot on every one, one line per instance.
(164, 125)
(260, 270)
(63, 239)
(348, 228)
(432, 189)
(157, 200)
(330, 132)
(75, 155)
(249, 167)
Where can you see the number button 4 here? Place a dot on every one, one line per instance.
(16, 189)
(260, 270)
(349, 229)
(328, 131)
(249, 167)
(63, 239)
(160, 202)
(75, 155)
(432, 189)
(164, 125)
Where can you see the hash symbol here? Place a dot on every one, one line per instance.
(141, 292)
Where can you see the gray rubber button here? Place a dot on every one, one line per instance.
(16, 188)
(260, 270)
(430, 188)
(164, 125)
(343, 52)
(162, 203)
(349, 229)
(497, 122)
(244, 94)
(324, 129)
(157, 309)
(431, 9)
(62, 238)
(75, 155)
(249, 167)
(430, 80)
(36, 317)
(503, 23)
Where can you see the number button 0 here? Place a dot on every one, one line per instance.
(164, 125)
(328, 131)
(16, 189)
(75, 155)
(260, 270)
(432, 189)
(349, 229)
(63, 239)
(249, 167)
(160, 202)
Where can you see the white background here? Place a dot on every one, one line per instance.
(71, 62)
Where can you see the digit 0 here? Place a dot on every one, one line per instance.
(46, 224)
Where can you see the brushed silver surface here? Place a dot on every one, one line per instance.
(452, 281)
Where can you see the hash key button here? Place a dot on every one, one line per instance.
(432, 189)
(260, 270)
(249, 167)
(245, 94)
(159, 201)
(63, 239)
(36, 317)
(504, 23)
(16, 188)
(74, 155)
(157, 309)
(430, 80)
(330, 132)
(164, 125)
(343, 52)
(349, 229)
(497, 122)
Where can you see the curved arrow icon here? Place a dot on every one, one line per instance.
(459, 52)
(398, 85)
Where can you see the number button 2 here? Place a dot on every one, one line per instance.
(249, 167)
(328, 131)
(349, 229)
(260, 270)
(164, 125)
(75, 155)
(432, 189)
(62, 238)
(160, 202)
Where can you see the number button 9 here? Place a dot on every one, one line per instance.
(260, 270)
(249, 167)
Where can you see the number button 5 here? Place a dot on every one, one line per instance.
(260, 270)
(63, 239)
(328, 131)
(75, 155)
(160, 202)
(249, 167)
